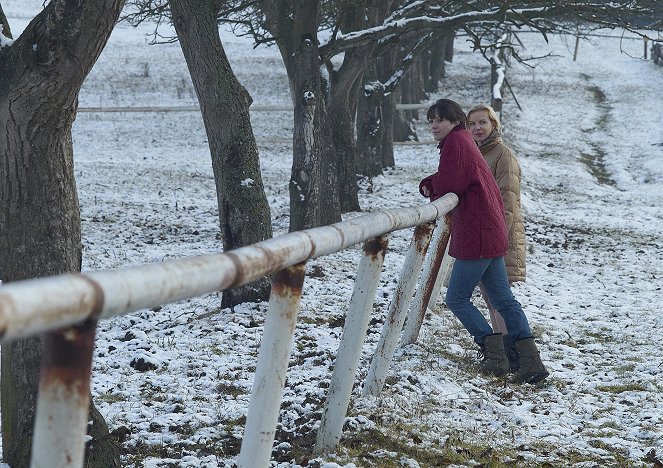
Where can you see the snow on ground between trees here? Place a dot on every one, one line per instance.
(590, 145)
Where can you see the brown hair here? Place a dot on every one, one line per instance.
(446, 109)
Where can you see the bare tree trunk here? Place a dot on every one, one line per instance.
(244, 213)
(314, 192)
(403, 129)
(388, 113)
(436, 68)
(370, 126)
(343, 110)
(343, 121)
(346, 82)
(39, 216)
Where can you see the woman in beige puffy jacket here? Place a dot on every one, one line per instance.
(484, 125)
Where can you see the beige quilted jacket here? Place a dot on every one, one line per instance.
(505, 168)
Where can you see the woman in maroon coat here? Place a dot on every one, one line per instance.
(479, 241)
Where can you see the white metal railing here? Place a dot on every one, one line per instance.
(75, 302)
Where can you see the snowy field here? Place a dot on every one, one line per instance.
(589, 138)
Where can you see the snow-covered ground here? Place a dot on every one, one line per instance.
(589, 138)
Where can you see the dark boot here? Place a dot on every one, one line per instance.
(494, 358)
(511, 354)
(531, 368)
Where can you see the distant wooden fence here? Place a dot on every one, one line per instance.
(196, 108)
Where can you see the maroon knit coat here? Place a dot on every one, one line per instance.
(478, 228)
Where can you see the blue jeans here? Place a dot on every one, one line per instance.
(491, 273)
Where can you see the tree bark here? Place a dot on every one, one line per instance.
(244, 213)
(370, 127)
(436, 67)
(314, 192)
(42, 73)
(345, 89)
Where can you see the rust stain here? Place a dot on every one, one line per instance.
(422, 236)
(376, 246)
(312, 242)
(436, 263)
(289, 281)
(98, 305)
(247, 271)
(74, 386)
(447, 220)
(237, 279)
(67, 357)
(395, 307)
(341, 233)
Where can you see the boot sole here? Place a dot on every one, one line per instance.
(532, 378)
(538, 377)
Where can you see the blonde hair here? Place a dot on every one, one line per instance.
(492, 115)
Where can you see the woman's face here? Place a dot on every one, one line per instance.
(440, 128)
(480, 125)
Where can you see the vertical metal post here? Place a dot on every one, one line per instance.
(270, 375)
(575, 50)
(349, 351)
(428, 281)
(64, 398)
(400, 303)
(646, 42)
(445, 268)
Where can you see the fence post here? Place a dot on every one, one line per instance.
(445, 268)
(349, 351)
(575, 50)
(427, 283)
(646, 41)
(391, 329)
(273, 357)
(64, 398)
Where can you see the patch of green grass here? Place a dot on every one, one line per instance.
(313, 320)
(621, 388)
(110, 397)
(375, 448)
(601, 337)
(230, 389)
(623, 369)
(620, 454)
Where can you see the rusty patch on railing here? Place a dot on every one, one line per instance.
(67, 356)
(237, 263)
(289, 281)
(420, 233)
(274, 260)
(98, 297)
(340, 233)
(373, 247)
(440, 248)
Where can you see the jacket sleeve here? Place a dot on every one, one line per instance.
(507, 175)
(451, 175)
(428, 183)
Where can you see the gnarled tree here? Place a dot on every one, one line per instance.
(244, 213)
(40, 234)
